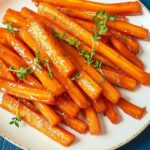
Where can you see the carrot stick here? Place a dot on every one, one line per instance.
(74, 123)
(99, 105)
(4, 72)
(131, 109)
(108, 90)
(128, 28)
(130, 43)
(12, 59)
(47, 112)
(51, 84)
(83, 14)
(117, 8)
(67, 106)
(121, 48)
(92, 120)
(51, 47)
(37, 121)
(71, 88)
(14, 17)
(26, 92)
(111, 112)
(101, 48)
(119, 79)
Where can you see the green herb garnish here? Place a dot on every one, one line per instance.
(9, 27)
(75, 76)
(37, 60)
(102, 80)
(97, 64)
(100, 19)
(16, 120)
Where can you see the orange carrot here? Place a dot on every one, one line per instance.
(131, 109)
(116, 8)
(12, 59)
(26, 92)
(4, 72)
(119, 79)
(14, 17)
(67, 106)
(71, 88)
(51, 47)
(99, 105)
(51, 84)
(128, 28)
(37, 121)
(111, 112)
(101, 48)
(47, 112)
(92, 120)
(130, 43)
(121, 48)
(108, 90)
(74, 123)
(83, 14)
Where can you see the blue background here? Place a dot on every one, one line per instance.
(142, 142)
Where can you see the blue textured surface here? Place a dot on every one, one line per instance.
(142, 142)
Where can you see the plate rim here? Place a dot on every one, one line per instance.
(111, 148)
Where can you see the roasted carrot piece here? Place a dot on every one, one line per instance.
(71, 88)
(131, 109)
(51, 47)
(14, 17)
(121, 48)
(35, 120)
(67, 106)
(74, 123)
(101, 48)
(116, 8)
(92, 120)
(51, 84)
(99, 105)
(130, 43)
(83, 14)
(12, 59)
(4, 72)
(26, 92)
(111, 112)
(128, 28)
(123, 81)
(108, 90)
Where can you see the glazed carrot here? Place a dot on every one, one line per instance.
(101, 48)
(51, 84)
(51, 47)
(26, 92)
(116, 8)
(67, 106)
(74, 123)
(99, 105)
(35, 120)
(92, 120)
(47, 112)
(130, 43)
(83, 14)
(120, 80)
(12, 59)
(71, 88)
(108, 90)
(131, 109)
(14, 17)
(128, 28)
(111, 112)
(4, 73)
(121, 48)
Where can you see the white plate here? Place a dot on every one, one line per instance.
(113, 135)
